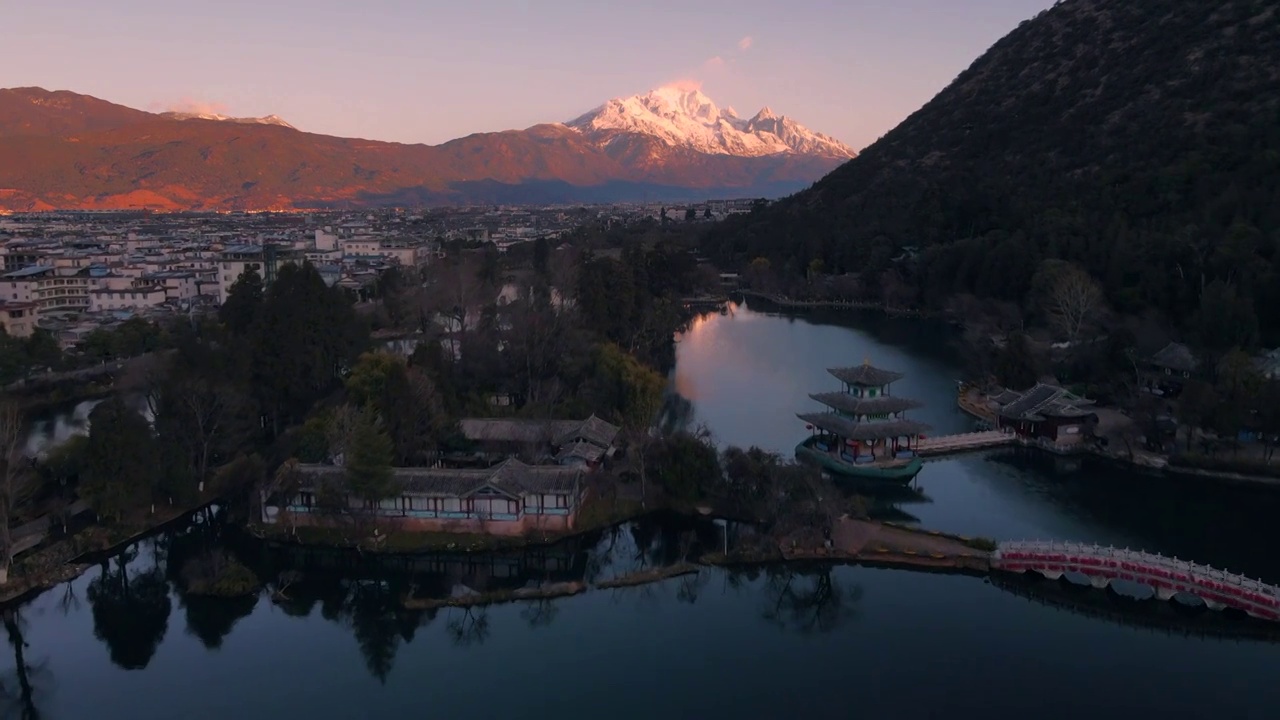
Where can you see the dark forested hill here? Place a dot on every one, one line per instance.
(1139, 139)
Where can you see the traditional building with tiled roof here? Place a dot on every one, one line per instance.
(865, 431)
(510, 498)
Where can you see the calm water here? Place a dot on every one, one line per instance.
(124, 641)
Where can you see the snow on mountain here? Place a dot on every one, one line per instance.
(686, 118)
(268, 120)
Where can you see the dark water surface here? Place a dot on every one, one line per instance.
(126, 642)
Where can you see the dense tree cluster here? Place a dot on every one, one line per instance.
(226, 392)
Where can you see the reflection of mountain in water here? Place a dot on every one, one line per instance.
(1158, 615)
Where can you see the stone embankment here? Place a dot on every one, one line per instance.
(66, 558)
(868, 542)
(791, 303)
(542, 592)
(852, 541)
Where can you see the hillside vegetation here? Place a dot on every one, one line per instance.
(1140, 140)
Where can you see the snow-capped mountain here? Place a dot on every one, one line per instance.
(268, 120)
(669, 145)
(685, 118)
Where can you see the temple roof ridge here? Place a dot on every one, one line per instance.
(866, 375)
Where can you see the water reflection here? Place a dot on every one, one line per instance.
(1166, 617)
(25, 688)
(808, 601)
(51, 427)
(1206, 522)
(131, 606)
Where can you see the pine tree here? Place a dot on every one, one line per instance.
(122, 464)
(368, 461)
(244, 302)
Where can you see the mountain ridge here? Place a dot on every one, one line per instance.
(63, 150)
(687, 118)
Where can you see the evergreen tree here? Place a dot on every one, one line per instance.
(542, 256)
(42, 350)
(368, 461)
(302, 341)
(243, 303)
(122, 465)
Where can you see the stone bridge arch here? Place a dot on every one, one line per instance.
(1165, 575)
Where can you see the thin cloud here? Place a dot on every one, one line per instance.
(685, 84)
(201, 107)
(713, 63)
(745, 43)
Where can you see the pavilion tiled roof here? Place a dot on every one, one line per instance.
(1045, 400)
(848, 429)
(593, 430)
(1176, 356)
(554, 432)
(511, 477)
(865, 375)
(844, 402)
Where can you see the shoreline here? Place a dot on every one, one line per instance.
(792, 304)
(69, 557)
(1158, 465)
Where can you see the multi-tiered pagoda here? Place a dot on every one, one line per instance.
(865, 432)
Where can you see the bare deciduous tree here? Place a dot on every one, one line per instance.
(342, 424)
(1074, 302)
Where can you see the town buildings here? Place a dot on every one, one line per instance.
(82, 270)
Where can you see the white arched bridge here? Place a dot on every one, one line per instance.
(1167, 576)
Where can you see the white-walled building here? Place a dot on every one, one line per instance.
(51, 289)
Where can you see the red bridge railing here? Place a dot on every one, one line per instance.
(1173, 575)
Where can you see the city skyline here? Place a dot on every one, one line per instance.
(392, 71)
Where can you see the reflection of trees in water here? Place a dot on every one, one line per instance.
(676, 413)
(540, 613)
(807, 600)
(210, 619)
(22, 694)
(372, 613)
(69, 602)
(468, 626)
(371, 607)
(688, 587)
(130, 611)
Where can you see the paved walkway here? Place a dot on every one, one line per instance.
(857, 537)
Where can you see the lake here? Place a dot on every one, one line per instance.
(125, 642)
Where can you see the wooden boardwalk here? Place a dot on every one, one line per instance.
(964, 442)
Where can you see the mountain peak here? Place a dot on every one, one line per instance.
(266, 120)
(680, 115)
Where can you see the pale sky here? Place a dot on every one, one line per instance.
(429, 71)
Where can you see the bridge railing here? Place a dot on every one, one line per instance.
(1093, 550)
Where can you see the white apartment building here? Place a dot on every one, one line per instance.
(236, 259)
(409, 252)
(51, 289)
(139, 294)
